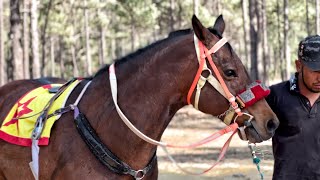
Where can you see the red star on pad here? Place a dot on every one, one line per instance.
(21, 110)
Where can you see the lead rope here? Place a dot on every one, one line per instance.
(230, 128)
(255, 159)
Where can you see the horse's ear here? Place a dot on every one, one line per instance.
(200, 31)
(219, 25)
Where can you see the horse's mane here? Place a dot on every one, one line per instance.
(173, 35)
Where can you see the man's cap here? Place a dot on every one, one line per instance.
(309, 52)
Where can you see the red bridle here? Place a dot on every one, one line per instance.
(247, 97)
(204, 53)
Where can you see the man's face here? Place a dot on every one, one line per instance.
(311, 79)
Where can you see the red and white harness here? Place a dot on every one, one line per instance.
(247, 97)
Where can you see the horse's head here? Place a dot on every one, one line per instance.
(233, 73)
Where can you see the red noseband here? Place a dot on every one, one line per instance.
(253, 93)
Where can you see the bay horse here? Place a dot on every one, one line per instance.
(153, 84)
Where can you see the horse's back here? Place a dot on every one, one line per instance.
(13, 156)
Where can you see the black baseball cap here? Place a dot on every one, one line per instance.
(309, 52)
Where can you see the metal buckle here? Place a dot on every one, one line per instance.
(138, 175)
(209, 71)
(247, 123)
(37, 131)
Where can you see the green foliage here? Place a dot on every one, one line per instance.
(152, 20)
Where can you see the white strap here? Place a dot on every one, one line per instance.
(215, 83)
(200, 84)
(35, 149)
(113, 84)
(81, 94)
(196, 46)
(243, 133)
(34, 164)
(211, 79)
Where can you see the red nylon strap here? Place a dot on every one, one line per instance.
(231, 128)
(222, 153)
(196, 78)
(202, 56)
(223, 84)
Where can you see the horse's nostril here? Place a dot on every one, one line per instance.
(271, 126)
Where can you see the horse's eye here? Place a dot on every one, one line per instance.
(230, 73)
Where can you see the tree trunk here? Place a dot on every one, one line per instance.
(53, 66)
(280, 63)
(113, 46)
(196, 7)
(61, 57)
(180, 15)
(102, 47)
(74, 61)
(88, 50)
(172, 15)
(265, 49)
(285, 39)
(35, 40)
(73, 46)
(307, 18)
(15, 35)
(26, 62)
(245, 32)
(2, 66)
(253, 40)
(43, 38)
(219, 9)
(317, 17)
(259, 38)
(132, 33)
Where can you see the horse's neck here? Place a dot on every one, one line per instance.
(149, 94)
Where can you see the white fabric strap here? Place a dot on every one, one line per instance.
(34, 164)
(217, 46)
(196, 46)
(201, 83)
(81, 94)
(114, 91)
(215, 83)
(211, 79)
(243, 133)
(35, 149)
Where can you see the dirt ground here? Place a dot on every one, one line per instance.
(188, 126)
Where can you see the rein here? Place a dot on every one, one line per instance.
(231, 128)
(253, 93)
(199, 81)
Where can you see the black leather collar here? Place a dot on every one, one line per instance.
(103, 154)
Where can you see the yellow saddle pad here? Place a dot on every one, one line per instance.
(20, 121)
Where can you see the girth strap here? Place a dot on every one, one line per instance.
(103, 154)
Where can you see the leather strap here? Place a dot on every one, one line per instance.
(103, 154)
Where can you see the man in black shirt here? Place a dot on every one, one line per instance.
(296, 143)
